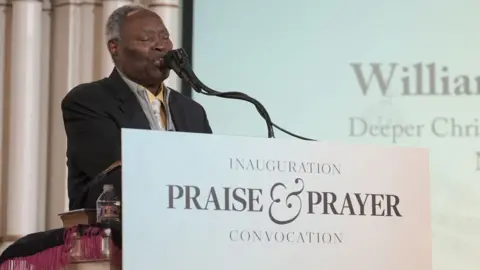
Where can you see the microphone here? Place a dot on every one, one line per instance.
(177, 60)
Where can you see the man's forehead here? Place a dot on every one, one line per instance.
(141, 19)
(141, 14)
(131, 13)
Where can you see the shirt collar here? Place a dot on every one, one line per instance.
(135, 87)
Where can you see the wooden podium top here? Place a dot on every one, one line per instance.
(78, 217)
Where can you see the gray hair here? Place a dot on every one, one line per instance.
(117, 18)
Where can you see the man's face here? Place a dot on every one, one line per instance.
(143, 43)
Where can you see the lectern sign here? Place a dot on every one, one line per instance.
(194, 201)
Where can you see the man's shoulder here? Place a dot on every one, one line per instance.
(195, 111)
(91, 92)
(184, 100)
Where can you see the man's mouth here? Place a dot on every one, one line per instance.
(160, 63)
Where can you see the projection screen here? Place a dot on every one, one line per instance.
(379, 72)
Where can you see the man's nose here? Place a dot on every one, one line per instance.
(159, 49)
(161, 45)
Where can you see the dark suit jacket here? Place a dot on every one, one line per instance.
(93, 114)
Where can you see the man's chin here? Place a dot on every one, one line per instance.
(160, 74)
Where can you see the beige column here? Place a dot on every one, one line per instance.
(66, 57)
(91, 33)
(169, 11)
(44, 111)
(25, 88)
(3, 44)
(108, 6)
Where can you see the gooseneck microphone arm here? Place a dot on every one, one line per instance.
(177, 60)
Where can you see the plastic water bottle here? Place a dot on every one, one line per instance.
(108, 206)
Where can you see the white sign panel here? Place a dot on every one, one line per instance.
(194, 201)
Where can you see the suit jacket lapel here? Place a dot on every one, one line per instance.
(133, 114)
(178, 114)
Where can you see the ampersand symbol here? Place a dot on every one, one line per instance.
(288, 203)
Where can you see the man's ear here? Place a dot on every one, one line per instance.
(113, 47)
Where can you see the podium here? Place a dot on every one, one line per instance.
(197, 201)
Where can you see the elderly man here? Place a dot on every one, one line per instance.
(133, 96)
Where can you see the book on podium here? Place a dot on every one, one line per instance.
(198, 201)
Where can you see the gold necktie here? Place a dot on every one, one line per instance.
(163, 115)
(158, 106)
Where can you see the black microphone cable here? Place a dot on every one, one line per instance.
(199, 86)
(178, 61)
